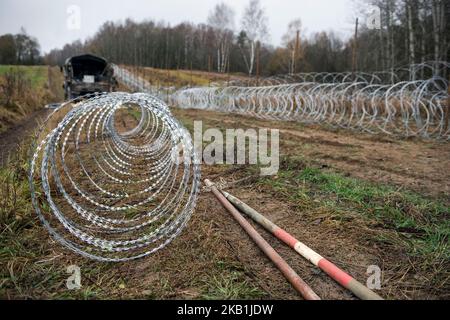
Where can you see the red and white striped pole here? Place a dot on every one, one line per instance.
(329, 268)
(270, 252)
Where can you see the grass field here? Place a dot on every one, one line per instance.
(26, 94)
(38, 75)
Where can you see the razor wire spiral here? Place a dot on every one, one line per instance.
(425, 70)
(364, 102)
(109, 193)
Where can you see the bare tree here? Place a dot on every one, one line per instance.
(292, 42)
(438, 14)
(27, 48)
(254, 24)
(387, 48)
(411, 9)
(221, 19)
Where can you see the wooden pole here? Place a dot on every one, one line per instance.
(191, 81)
(447, 110)
(228, 71)
(209, 63)
(326, 266)
(296, 52)
(258, 45)
(167, 85)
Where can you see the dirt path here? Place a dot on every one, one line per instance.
(12, 138)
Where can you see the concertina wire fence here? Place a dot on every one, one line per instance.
(375, 103)
(111, 194)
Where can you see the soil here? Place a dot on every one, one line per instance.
(414, 164)
(12, 138)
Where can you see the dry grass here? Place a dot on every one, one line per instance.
(184, 78)
(24, 90)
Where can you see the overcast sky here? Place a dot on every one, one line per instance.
(48, 19)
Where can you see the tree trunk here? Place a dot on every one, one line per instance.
(436, 33)
(252, 57)
(411, 37)
(382, 48)
(390, 36)
(445, 10)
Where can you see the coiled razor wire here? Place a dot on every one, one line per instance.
(107, 193)
(405, 108)
(421, 71)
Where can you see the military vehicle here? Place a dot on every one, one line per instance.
(87, 74)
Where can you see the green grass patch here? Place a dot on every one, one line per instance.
(194, 80)
(423, 222)
(136, 114)
(231, 286)
(37, 75)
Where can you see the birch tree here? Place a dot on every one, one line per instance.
(221, 19)
(439, 21)
(292, 42)
(254, 24)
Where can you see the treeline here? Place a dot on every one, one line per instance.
(19, 49)
(403, 32)
(411, 31)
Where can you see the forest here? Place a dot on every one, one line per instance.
(406, 32)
